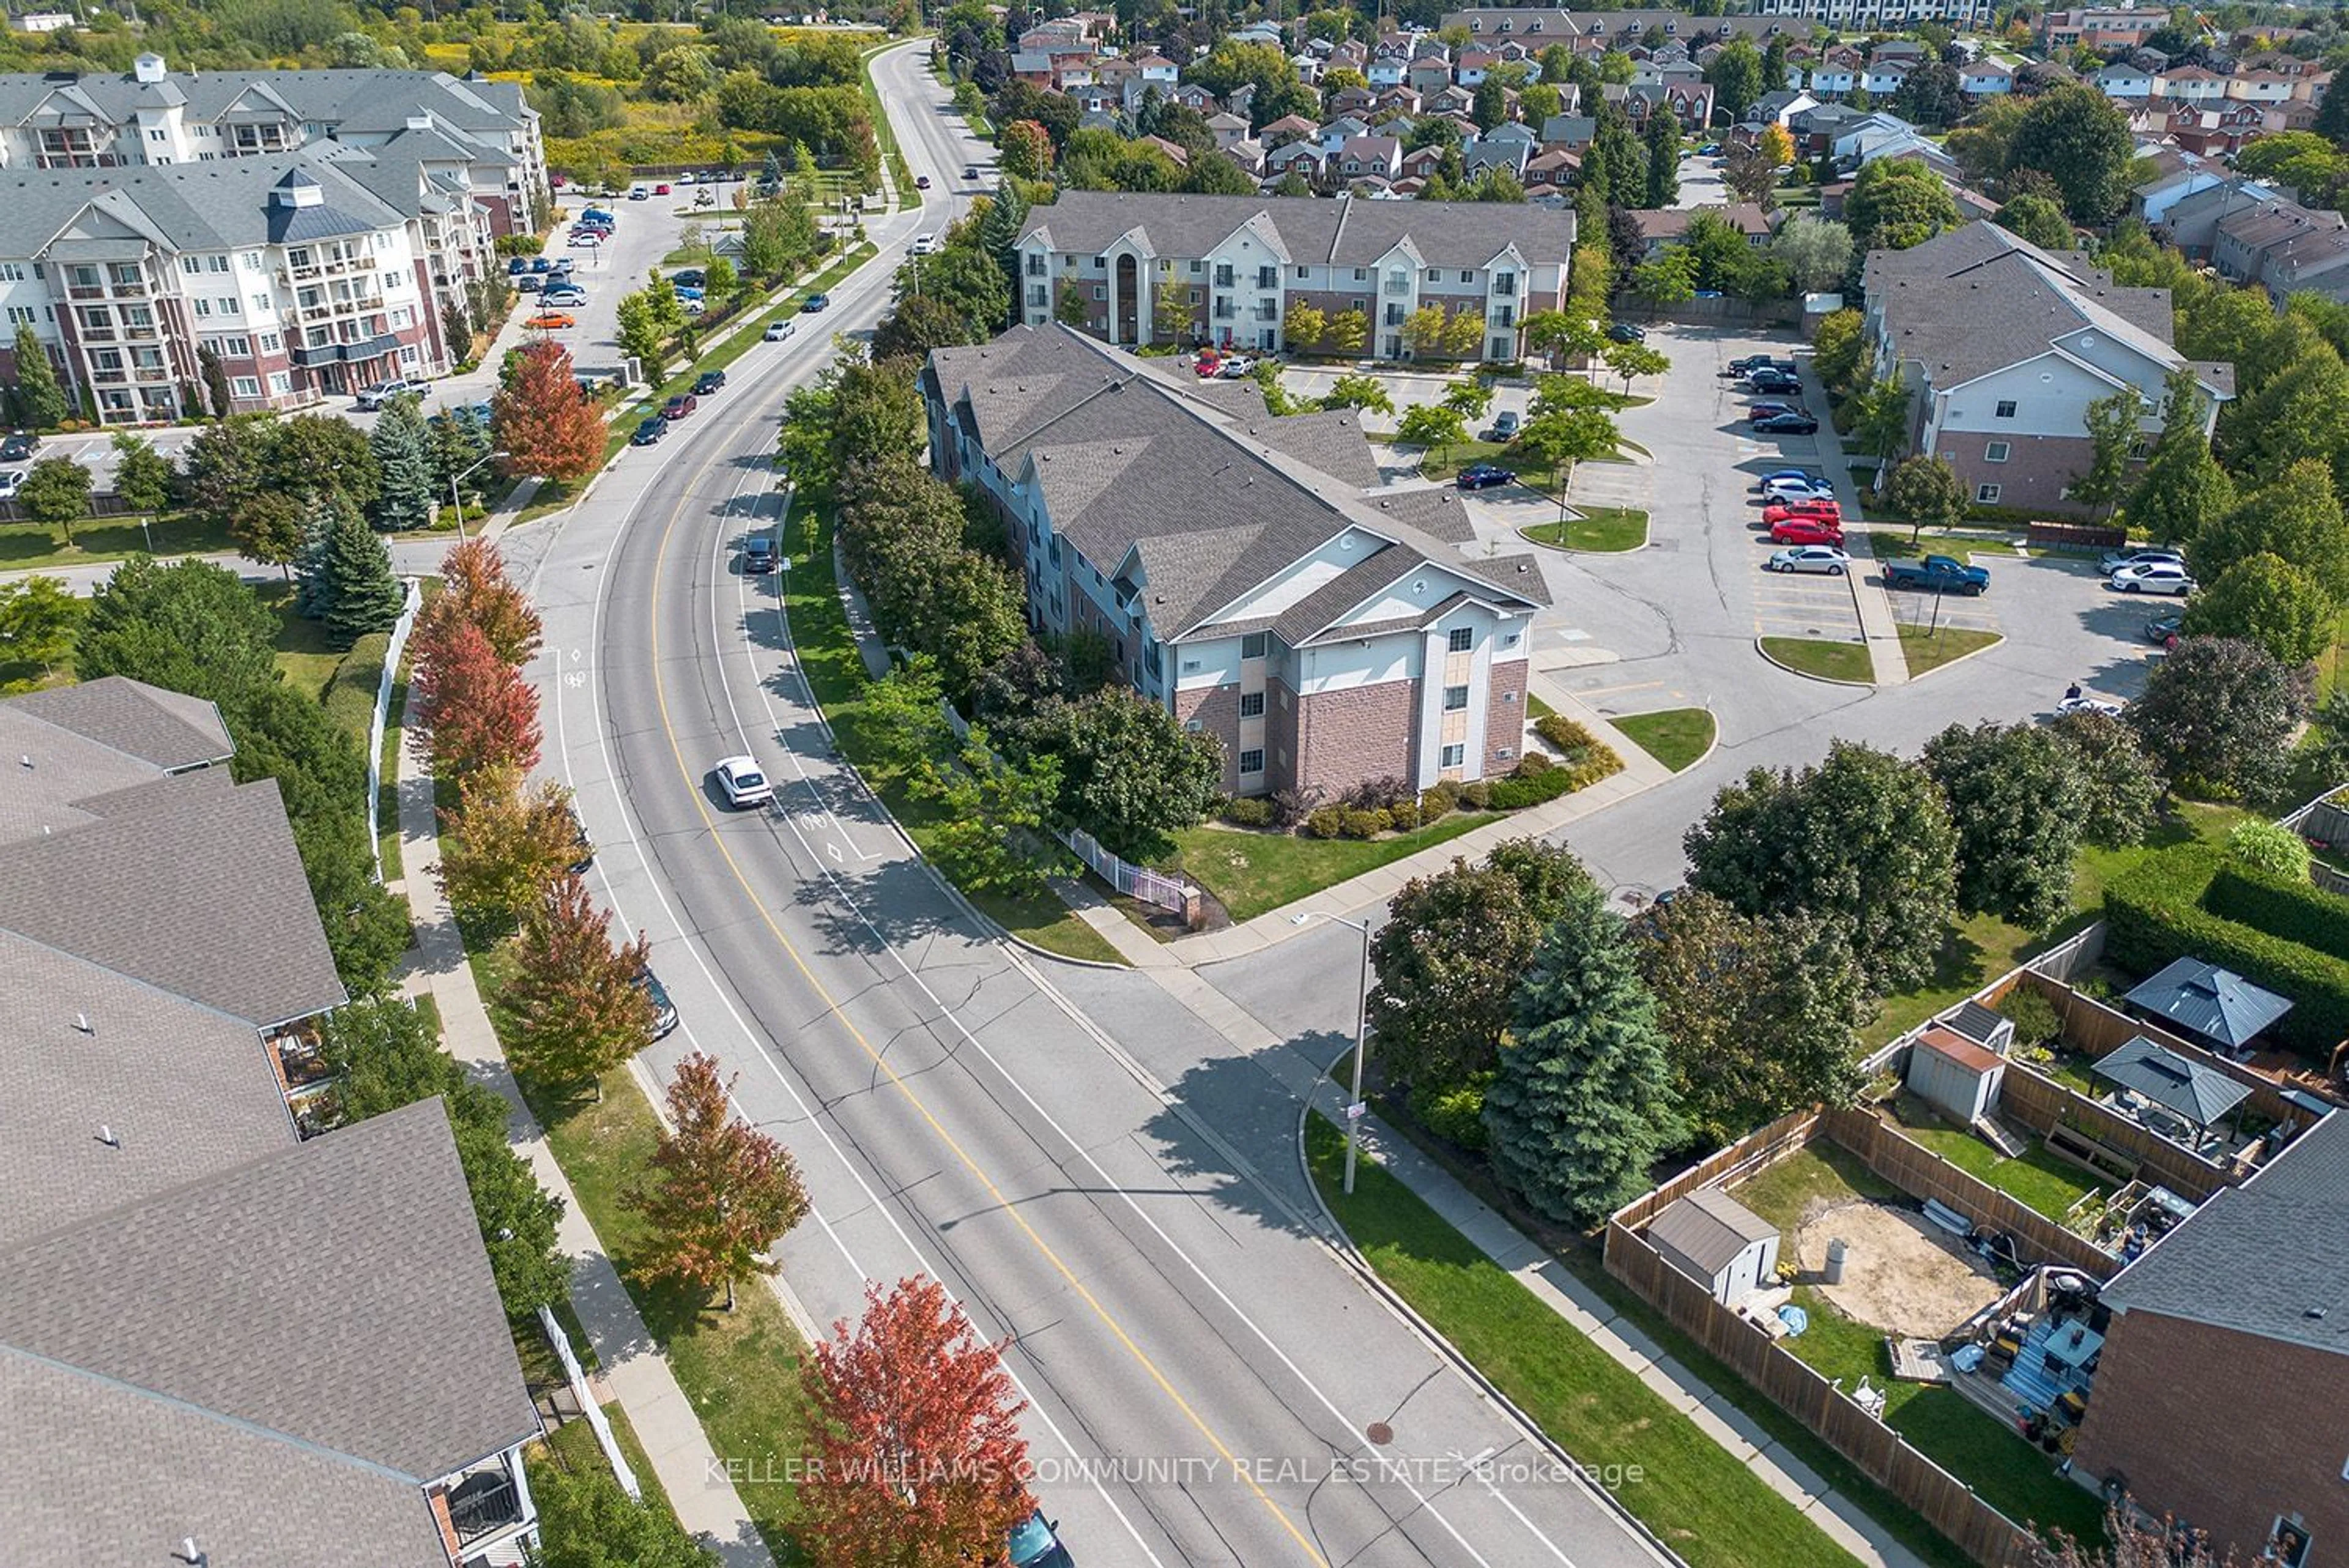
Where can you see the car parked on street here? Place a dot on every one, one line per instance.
(1824, 559)
(758, 554)
(2116, 560)
(708, 382)
(664, 1010)
(649, 431)
(1484, 475)
(1786, 424)
(1806, 531)
(743, 781)
(678, 407)
(2153, 578)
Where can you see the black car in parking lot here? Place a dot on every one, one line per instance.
(1628, 332)
(18, 446)
(1768, 379)
(1753, 362)
(1786, 424)
(1484, 475)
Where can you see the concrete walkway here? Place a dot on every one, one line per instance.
(631, 1368)
(1838, 1516)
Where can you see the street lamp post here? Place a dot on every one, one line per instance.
(456, 496)
(1354, 1108)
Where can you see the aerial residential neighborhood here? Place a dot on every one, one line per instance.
(1174, 785)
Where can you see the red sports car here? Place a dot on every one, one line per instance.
(1779, 510)
(1806, 531)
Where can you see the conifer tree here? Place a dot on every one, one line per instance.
(404, 492)
(364, 596)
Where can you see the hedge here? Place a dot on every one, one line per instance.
(2296, 911)
(2158, 913)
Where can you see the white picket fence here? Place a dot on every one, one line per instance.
(399, 630)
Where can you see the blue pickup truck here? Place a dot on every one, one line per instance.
(1936, 574)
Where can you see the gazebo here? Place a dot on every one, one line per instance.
(2196, 1094)
(2211, 1003)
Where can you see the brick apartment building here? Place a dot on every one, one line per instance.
(2220, 1389)
(1231, 267)
(1246, 570)
(2006, 345)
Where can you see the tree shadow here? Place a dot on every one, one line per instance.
(1249, 1167)
(867, 910)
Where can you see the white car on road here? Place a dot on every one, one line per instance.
(925, 244)
(2153, 578)
(744, 782)
(776, 331)
(1810, 558)
(375, 397)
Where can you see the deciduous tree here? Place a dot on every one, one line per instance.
(1362, 391)
(722, 1192)
(56, 493)
(542, 422)
(1631, 361)
(1817, 252)
(39, 620)
(2297, 519)
(2079, 138)
(585, 1520)
(2218, 715)
(1928, 492)
(2017, 798)
(1130, 773)
(190, 626)
(2182, 485)
(1896, 204)
(1582, 1104)
(315, 451)
(914, 1452)
(574, 1009)
(143, 477)
(2269, 601)
(1304, 326)
(2112, 425)
(503, 844)
(474, 588)
(1432, 426)
(1840, 351)
(2038, 218)
(2120, 786)
(473, 704)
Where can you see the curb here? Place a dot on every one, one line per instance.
(1822, 679)
(1341, 1242)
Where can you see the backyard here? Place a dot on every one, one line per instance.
(2035, 1179)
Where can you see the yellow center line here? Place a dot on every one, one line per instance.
(1003, 1203)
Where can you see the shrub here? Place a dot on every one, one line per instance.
(1455, 1115)
(2034, 1017)
(1439, 803)
(1364, 823)
(1248, 811)
(2264, 846)
(1476, 796)
(1327, 822)
(2290, 907)
(1289, 807)
(1533, 764)
(1565, 734)
(1529, 786)
(1378, 795)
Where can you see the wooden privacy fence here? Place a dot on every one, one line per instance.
(1762, 1147)
(2040, 1105)
(1945, 1502)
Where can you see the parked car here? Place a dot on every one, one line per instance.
(1232, 367)
(1810, 477)
(2164, 630)
(1809, 558)
(2115, 560)
(664, 1010)
(373, 397)
(649, 431)
(529, 283)
(1035, 1544)
(12, 480)
(694, 305)
(563, 268)
(1770, 379)
(677, 407)
(2086, 704)
(1505, 425)
(564, 297)
(2153, 578)
(1753, 362)
(1806, 531)
(640, 194)
(516, 266)
(479, 414)
(1484, 475)
(758, 554)
(1794, 487)
(1628, 332)
(602, 216)
(970, 170)
(660, 190)
(583, 239)
(691, 278)
(1770, 410)
(815, 303)
(708, 382)
(776, 331)
(1709, 149)
(552, 321)
(1936, 574)
(744, 782)
(1786, 424)
(686, 291)
(18, 446)
(1824, 508)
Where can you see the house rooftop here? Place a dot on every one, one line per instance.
(1709, 1227)
(2202, 998)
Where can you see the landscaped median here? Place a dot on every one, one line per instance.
(1594, 530)
(1846, 663)
(1677, 737)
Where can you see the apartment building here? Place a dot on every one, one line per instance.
(1248, 572)
(154, 115)
(1176, 268)
(220, 1341)
(2005, 346)
(2101, 27)
(308, 275)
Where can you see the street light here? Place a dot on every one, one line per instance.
(1361, 1009)
(456, 497)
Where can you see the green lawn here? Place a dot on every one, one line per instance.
(835, 676)
(1823, 1173)
(1693, 1493)
(1599, 529)
(304, 658)
(1927, 652)
(2037, 1179)
(1817, 656)
(24, 544)
(1250, 872)
(1675, 737)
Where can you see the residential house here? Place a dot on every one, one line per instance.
(1832, 81)
(2123, 81)
(1358, 102)
(1660, 229)
(1883, 78)
(1303, 158)
(2006, 344)
(1398, 127)
(2213, 130)
(1241, 99)
(1192, 96)
(2243, 1307)
(1509, 156)
(1552, 173)
(2192, 206)
(1177, 154)
(1429, 74)
(1245, 260)
(1452, 100)
(1780, 108)
(1335, 133)
(2190, 84)
(1473, 65)
(1289, 128)
(1240, 567)
(2174, 175)
(1378, 156)
(1985, 79)
(2101, 28)
(2285, 248)
(1568, 132)
(1228, 130)
(2260, 86)
(1420, 164)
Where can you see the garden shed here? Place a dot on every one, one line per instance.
(1956, 1076)
(1712, 1237)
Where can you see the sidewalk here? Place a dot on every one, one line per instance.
(1842, 1521)
(706, 1502)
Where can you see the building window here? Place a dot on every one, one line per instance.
(1252, 761)
(1251, 704)
(245, 386)
(1460, 639)
(1996, 451)
(1468, 277)
(1454, 756)
(1434, 275)
(1986, 494)
(2005, 409)
(1455, 698)
(1254, 644)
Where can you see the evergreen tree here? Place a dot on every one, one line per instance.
(404, 489)
(314, 591)
(364, 597)
(1663, 159)
(1582, 1104)
(999, 235)
(40, 401)
(215, 375)
(770, 174)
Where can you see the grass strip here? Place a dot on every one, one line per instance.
(1675, 737)
(1251, 872)
(24, 545)
(1600, 530)
(1927, 650)
(1817, 656)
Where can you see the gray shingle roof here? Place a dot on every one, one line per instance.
(1320, 231)
(184, 1089)
(1709, 1227)
(334, 1294)
(2268, 1258)
(168, 729)
(2199, 1093)
(215, 206)
(2202, 998)
(190, 886)
(347, 102)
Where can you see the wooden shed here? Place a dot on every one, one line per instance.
(1710, 1236)
(1954, 1074)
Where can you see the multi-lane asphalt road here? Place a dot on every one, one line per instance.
(1202, 1365)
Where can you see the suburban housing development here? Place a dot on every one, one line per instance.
(1185, 269)
(1244, 568)
(298, 1339)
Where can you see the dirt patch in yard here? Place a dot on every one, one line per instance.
(1900, 1274)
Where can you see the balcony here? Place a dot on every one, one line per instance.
(482, 1504)
(1398, 286)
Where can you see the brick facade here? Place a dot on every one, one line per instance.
(1505, 717)
(1216, 710)
(1357, 734)
(2033, 475)
(2227, 1431)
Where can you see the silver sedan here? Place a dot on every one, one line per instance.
(1810, 558)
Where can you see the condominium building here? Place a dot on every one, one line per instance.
(1185, 269)
(307, 275)
(2101, 27)
(1248, 573)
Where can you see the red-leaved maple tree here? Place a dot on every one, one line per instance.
(725, 1191)
(474, 588)
(914, 1452)
(574, 1009)
(475, 707)
(542, 422)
